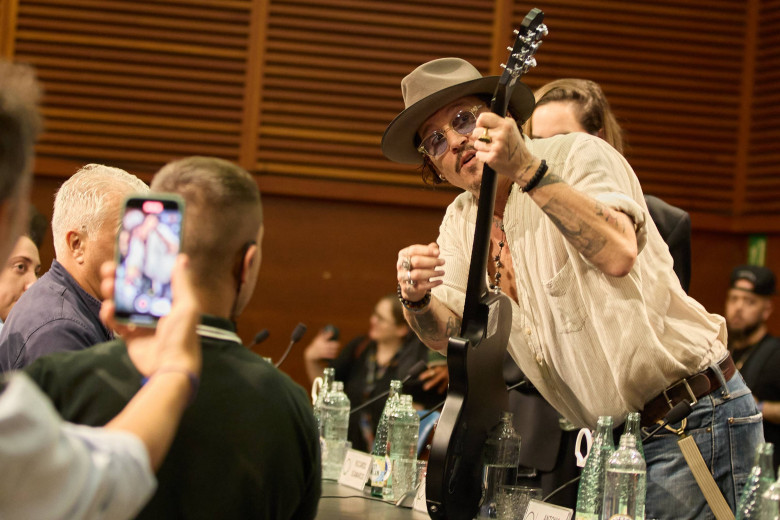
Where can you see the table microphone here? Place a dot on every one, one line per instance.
(417, 369)
(296, 336)
(259, 338)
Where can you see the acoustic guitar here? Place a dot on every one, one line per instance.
(477, 393)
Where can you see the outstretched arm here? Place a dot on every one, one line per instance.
(605, 236)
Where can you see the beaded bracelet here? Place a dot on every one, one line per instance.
(536, 178)
(194, 380)
(414, 306)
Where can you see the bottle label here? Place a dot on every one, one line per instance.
(380, 471)
(388, 471)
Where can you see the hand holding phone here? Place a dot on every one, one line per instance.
(147, 244)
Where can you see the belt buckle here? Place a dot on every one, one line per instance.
(683, 381)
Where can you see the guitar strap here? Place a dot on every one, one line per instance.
(709, 488)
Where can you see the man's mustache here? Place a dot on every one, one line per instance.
(466, 148)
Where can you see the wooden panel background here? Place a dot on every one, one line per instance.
(300, 91)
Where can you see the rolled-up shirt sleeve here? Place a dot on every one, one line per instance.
(53, 469)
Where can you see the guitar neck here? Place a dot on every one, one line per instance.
(476, 287)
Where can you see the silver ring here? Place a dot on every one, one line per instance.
(409, 280)
(407, 263)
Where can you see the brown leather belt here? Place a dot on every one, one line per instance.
(690, 388)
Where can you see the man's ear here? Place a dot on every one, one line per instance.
(251, 256)
(76, 244)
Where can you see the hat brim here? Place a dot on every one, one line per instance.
(398, 141)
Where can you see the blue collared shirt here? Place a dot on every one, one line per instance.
(56, 314)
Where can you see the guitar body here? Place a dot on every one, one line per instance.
(475, 399)
(477, 393)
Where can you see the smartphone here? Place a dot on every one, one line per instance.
(147, 244)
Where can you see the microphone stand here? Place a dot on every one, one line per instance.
(415, 371)
(438, 406)
(297, 334)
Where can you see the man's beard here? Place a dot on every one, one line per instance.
(741, 335)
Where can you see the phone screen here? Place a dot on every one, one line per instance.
(149, 240)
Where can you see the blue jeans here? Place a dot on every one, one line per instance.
(727, 431)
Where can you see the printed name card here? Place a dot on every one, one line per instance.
(538, 510)
(356, 468)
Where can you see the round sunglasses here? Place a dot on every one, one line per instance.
(464, 123)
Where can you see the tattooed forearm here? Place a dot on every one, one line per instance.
(586, 239)
(453, 326)
(427, 326)
(550, 178)
(610, 217)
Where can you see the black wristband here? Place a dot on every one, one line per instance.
(414, 306)
(536, 178)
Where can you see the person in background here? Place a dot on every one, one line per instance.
(368, 363)
(600, 322)
(755, 351)
(248, 446)
(60, 312)
(579, 105)
(20, 272)
(52, 469)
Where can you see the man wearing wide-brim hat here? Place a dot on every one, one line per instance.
(600, 323)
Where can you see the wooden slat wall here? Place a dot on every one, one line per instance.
(762, 190)
(332, 79)
(671, 71)
(7, 28)
(135, 83)
(300, 91)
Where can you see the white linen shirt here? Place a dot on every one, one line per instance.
(53, 470)
(591, 343)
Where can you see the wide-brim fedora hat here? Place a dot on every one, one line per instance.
(430, 87)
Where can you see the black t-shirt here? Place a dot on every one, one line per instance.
(356, 367)
(761, 370)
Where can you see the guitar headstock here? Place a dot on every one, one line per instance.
(527, 41)
(521, 57)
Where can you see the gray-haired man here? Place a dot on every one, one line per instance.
(61, 311)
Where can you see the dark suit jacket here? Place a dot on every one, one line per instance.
(674, 224)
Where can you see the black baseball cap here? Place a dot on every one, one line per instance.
(762, 278)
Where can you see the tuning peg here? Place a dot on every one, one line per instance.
(516, 32)
(509, 49)
(542, 29)
(530, 62)
(503, 65)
